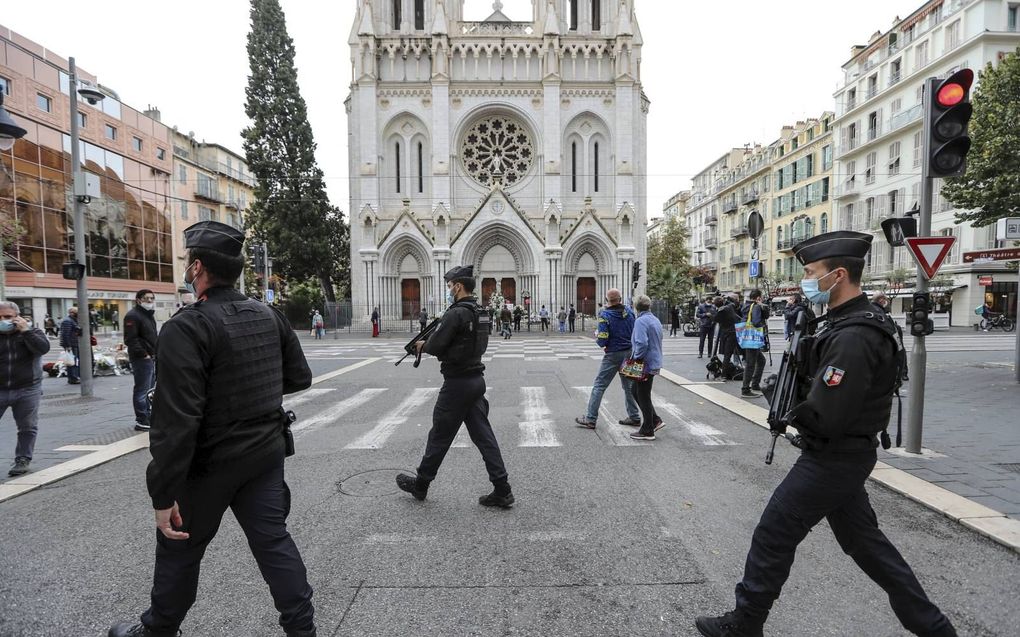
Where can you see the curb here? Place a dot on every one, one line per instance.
(977, 517)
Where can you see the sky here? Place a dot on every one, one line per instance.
(719, 74)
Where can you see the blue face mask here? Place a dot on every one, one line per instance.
(811, 291)
(449, 296)
(189, 285)
(6, 326)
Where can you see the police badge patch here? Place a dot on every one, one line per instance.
(833, 376)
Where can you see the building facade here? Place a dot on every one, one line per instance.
(516, 147)
(676, 206)
(129, 229)
(742, 188)
(878, 133)
(702, 211)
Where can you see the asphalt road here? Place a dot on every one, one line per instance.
(607, 537)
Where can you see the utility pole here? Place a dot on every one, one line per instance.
(78, 181)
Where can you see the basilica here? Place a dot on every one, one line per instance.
(517, 147)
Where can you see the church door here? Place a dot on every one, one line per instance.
(410, 298)
(488, 287)
(586, 302)
(510, 290)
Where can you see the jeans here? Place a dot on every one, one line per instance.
(24, 403)
(706, 331)
(144, 370)
(609, 368)
(643, 395)
(831, 486)
(563, 326)
(754, 365)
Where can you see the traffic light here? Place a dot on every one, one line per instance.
(636, 272)
(258, 259)
(949, 111)
(920, 324)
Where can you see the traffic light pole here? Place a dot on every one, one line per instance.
(919, 355)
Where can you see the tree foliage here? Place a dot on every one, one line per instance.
(307, 236)
(990, 189)
(669, 269)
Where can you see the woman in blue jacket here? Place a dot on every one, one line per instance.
(646, 345)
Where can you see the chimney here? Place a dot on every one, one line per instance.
(152, 112)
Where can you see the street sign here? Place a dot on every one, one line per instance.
(1007, 229)
(754, 269)
(1000, 254)
(930, 252)
(270, 295)
(986, 280)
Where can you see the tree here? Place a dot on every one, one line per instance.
(307, 236)
(670, 275)
(990, 189)
(668, 283)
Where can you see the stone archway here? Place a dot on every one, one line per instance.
(501, 256)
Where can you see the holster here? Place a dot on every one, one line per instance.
(287, 417)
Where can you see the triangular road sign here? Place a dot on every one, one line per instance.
(930, 252)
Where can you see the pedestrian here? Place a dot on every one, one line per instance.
(375, 322)
(756, 313)
(674, 320)
(318, 325)
(706, 325)
(561, 316)
(571, 317)
(459, 343)
(505, 317)
(492, 316)
(21, 350)
(615, 328)
(726, 318)
(848, 392)
(115, 319)
(518, 315)
(646, 346)
(218, 438)
(69, 333)
(543, 316)
(423, 319)
(51, 326)
(93, 320)
(794, 307)
(140, 338)
(881, 301)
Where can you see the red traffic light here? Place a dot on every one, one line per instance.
(951, 95)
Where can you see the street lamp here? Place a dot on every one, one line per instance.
(81, 196)
(9, 130)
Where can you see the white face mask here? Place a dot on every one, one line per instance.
(148, 306)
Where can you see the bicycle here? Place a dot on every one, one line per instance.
(999, 321)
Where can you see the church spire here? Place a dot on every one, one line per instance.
(623, 23)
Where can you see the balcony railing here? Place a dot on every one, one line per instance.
(710, 239)
(712, 218)
(729, 206)
(872, 92)
(739, 231)
(750, 197)
(711, 266)
(894, 78)
(739, 259)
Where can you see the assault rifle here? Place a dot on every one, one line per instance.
(411, 347)
(781, 389)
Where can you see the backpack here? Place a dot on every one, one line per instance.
(980, 310)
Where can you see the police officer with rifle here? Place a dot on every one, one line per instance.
(219, 437)
(459, 341)
(839, 401)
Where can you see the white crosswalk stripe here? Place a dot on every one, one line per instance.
(618, 434)
(292, 402)
(538, 428)
(338, 410)
(378, 435)
(705, 434)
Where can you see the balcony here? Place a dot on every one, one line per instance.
(894, 79)
(208, 190)
(739, 259)
(712, 218)
(711, 266)
(710, 239)
(729, 207)
(848, 189)
(750, 197)
(784, 245)
(851, 144)
(739, 231)
(872, 92)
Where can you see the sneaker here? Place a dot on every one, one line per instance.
(142, 426)
(637, 435)
(659, 424)
(747, 392)
(74, 382)
(128, 629)
(411, 485)
(584, 422)
(701, 356)
(732, 624)
(496, 500)
(756, 388)
(631, 422)
(20, 467)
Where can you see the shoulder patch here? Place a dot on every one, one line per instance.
(833, 376)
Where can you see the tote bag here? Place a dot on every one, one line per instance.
(749, 336)
(633, 369)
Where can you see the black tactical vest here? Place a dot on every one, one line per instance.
(246, 375)
(465, 352)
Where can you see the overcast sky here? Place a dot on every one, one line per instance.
(719, 74)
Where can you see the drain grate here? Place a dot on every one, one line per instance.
(1013, 467)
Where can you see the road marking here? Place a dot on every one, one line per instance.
(337, 411)
(80, 448)
(618, 434)
(296, 400)
(343, 370)
(705, 434)
(538, 428)
(379, 434)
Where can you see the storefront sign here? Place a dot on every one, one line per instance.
(1001, 254)
(17, 292)
(985, 280)
(100, 294)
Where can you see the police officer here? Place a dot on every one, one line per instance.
(847, 398)
(218, 438)
(459, 343)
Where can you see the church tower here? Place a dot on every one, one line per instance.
(518, 147)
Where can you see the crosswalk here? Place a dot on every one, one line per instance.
(398, 410)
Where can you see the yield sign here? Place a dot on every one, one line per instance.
(930, 252)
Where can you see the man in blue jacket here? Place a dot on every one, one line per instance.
(21, 348)
(616, 323)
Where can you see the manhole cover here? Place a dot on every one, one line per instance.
(1010, 466)
(375, 483)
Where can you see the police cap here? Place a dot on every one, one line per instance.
(841, 243)
(460, 272)
(214, 235)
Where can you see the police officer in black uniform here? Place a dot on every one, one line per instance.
(845, 406)
(218, 438)
(459, 343)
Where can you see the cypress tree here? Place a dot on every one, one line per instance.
(307, 237)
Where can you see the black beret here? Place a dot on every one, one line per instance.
(214, 235)
(841, 243)
(460, 272)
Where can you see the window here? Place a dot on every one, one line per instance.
(43, 103)
(894, 158)
(921, 55)
(953, 36)
(184, 210)
(206, 214)
(573, 167)
(917, 149)
(596, 166)
(954, 252)
(421, 166)
(396, 17)
(869, 173)
(825, 189)
(851, 98)
(827, 157)
(419, 15)
(82, 119)
(794, 143)
(397, 171)
(182, 174)
(160, 154)
(573, 15)
(872, 125)
(895, 107)
(596, 15)
(5, 86)
(825, 222)
(111, 132)
(894, 72)
(1013, 18)
(872, 86)
(136, 143)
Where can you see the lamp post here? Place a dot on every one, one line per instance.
(9, 132)
(80, 198)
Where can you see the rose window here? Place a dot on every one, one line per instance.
(494, 145)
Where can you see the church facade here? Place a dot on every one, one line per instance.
(516, 147)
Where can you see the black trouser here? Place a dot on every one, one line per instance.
(260, 500)
(643, 395)
(673, 327)
(728, 346)
(462, 400)
(831, 486)
(754, 366)
(706, 331)
(571, 322)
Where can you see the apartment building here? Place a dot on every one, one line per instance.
(676, 206)
(878, 133)
(702, 210)
(742, 189)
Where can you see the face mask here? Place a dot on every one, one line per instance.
(449, 296)
(148, 306)
(6, 326)
(811, 291)
(189, 285)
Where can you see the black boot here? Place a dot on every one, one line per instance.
(501, 496)
(132, 629)
(302, 633)
(418, 488)
(732, 624)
